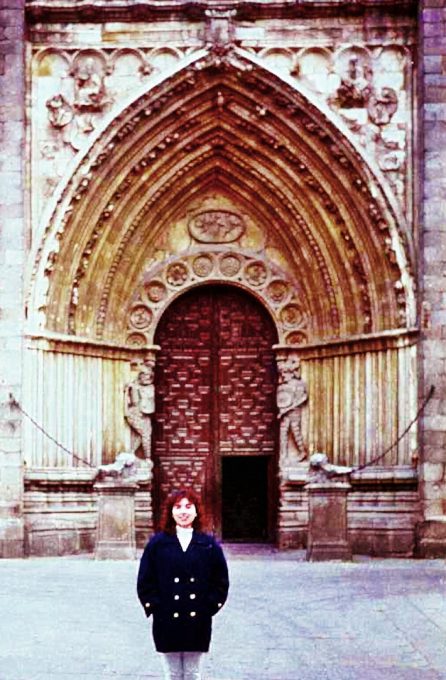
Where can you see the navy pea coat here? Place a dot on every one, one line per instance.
(182, 590)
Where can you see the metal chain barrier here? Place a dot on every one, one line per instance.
(14, 404)
(401, 436)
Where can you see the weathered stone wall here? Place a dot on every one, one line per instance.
(12, 139)
(433, 76)
(309, 50)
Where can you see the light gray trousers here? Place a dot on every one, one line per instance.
(182, 665)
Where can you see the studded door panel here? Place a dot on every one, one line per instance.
(246, 377)
(215, 385)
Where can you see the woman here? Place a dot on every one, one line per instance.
(183, 581)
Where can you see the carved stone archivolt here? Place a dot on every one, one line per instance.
(328, 219)
(282, 297)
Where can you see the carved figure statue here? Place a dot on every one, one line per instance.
(140, 406)
(291, 395)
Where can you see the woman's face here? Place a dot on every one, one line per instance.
(184, 513)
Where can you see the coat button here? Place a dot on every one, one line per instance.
(192, 596)
(176, 579)
(193, 613)
(176, 597)
(192, 580)
(175, 615)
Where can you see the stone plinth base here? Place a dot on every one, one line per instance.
(431, 538)
(116, 520)
(327, 524)
(11, 537)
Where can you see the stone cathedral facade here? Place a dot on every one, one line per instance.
(223, 248)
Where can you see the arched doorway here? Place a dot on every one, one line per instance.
(215, 422)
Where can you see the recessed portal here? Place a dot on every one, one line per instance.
(245, 511)
(215, 400)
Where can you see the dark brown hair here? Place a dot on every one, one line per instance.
(168, 523)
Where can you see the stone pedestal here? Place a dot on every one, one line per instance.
(327, 522)
(116, 519)
(431, 538)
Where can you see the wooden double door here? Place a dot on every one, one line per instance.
(215, 422)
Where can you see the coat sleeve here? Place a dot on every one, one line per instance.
(219, 581)
(147, 583)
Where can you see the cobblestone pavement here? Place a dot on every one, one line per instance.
(286, 619)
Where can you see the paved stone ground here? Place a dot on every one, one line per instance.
(286, 619)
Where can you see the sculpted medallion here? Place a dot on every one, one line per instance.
(230, 265)
(140, 317)
(216, 226)
(155, 290)
(202, 265)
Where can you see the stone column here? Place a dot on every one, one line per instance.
(432, 532)
(327, 491)
(12, 244)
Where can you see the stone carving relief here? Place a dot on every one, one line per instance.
(368, 88)
(292, 394)
(89, 90)
(200, 268)
(123, 468)
(219, 31)
(139, 407)
(371, 99)
(60, 112)
(75, 89)
(356, 84)
(163, 282)
(79, 95)
(381, 105)
(321, 471)
(216, 226)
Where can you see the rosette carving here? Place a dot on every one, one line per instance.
(262, 278)
(136, 340)
(155, 291)
(177, 274)
(202, 265)
(277, 291)
(255, 273)
(296, 338)
(230, 265)
(140, 317)
(291, 316)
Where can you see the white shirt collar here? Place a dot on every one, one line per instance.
(184, 536)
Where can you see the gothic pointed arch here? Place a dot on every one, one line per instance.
(223, 162)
